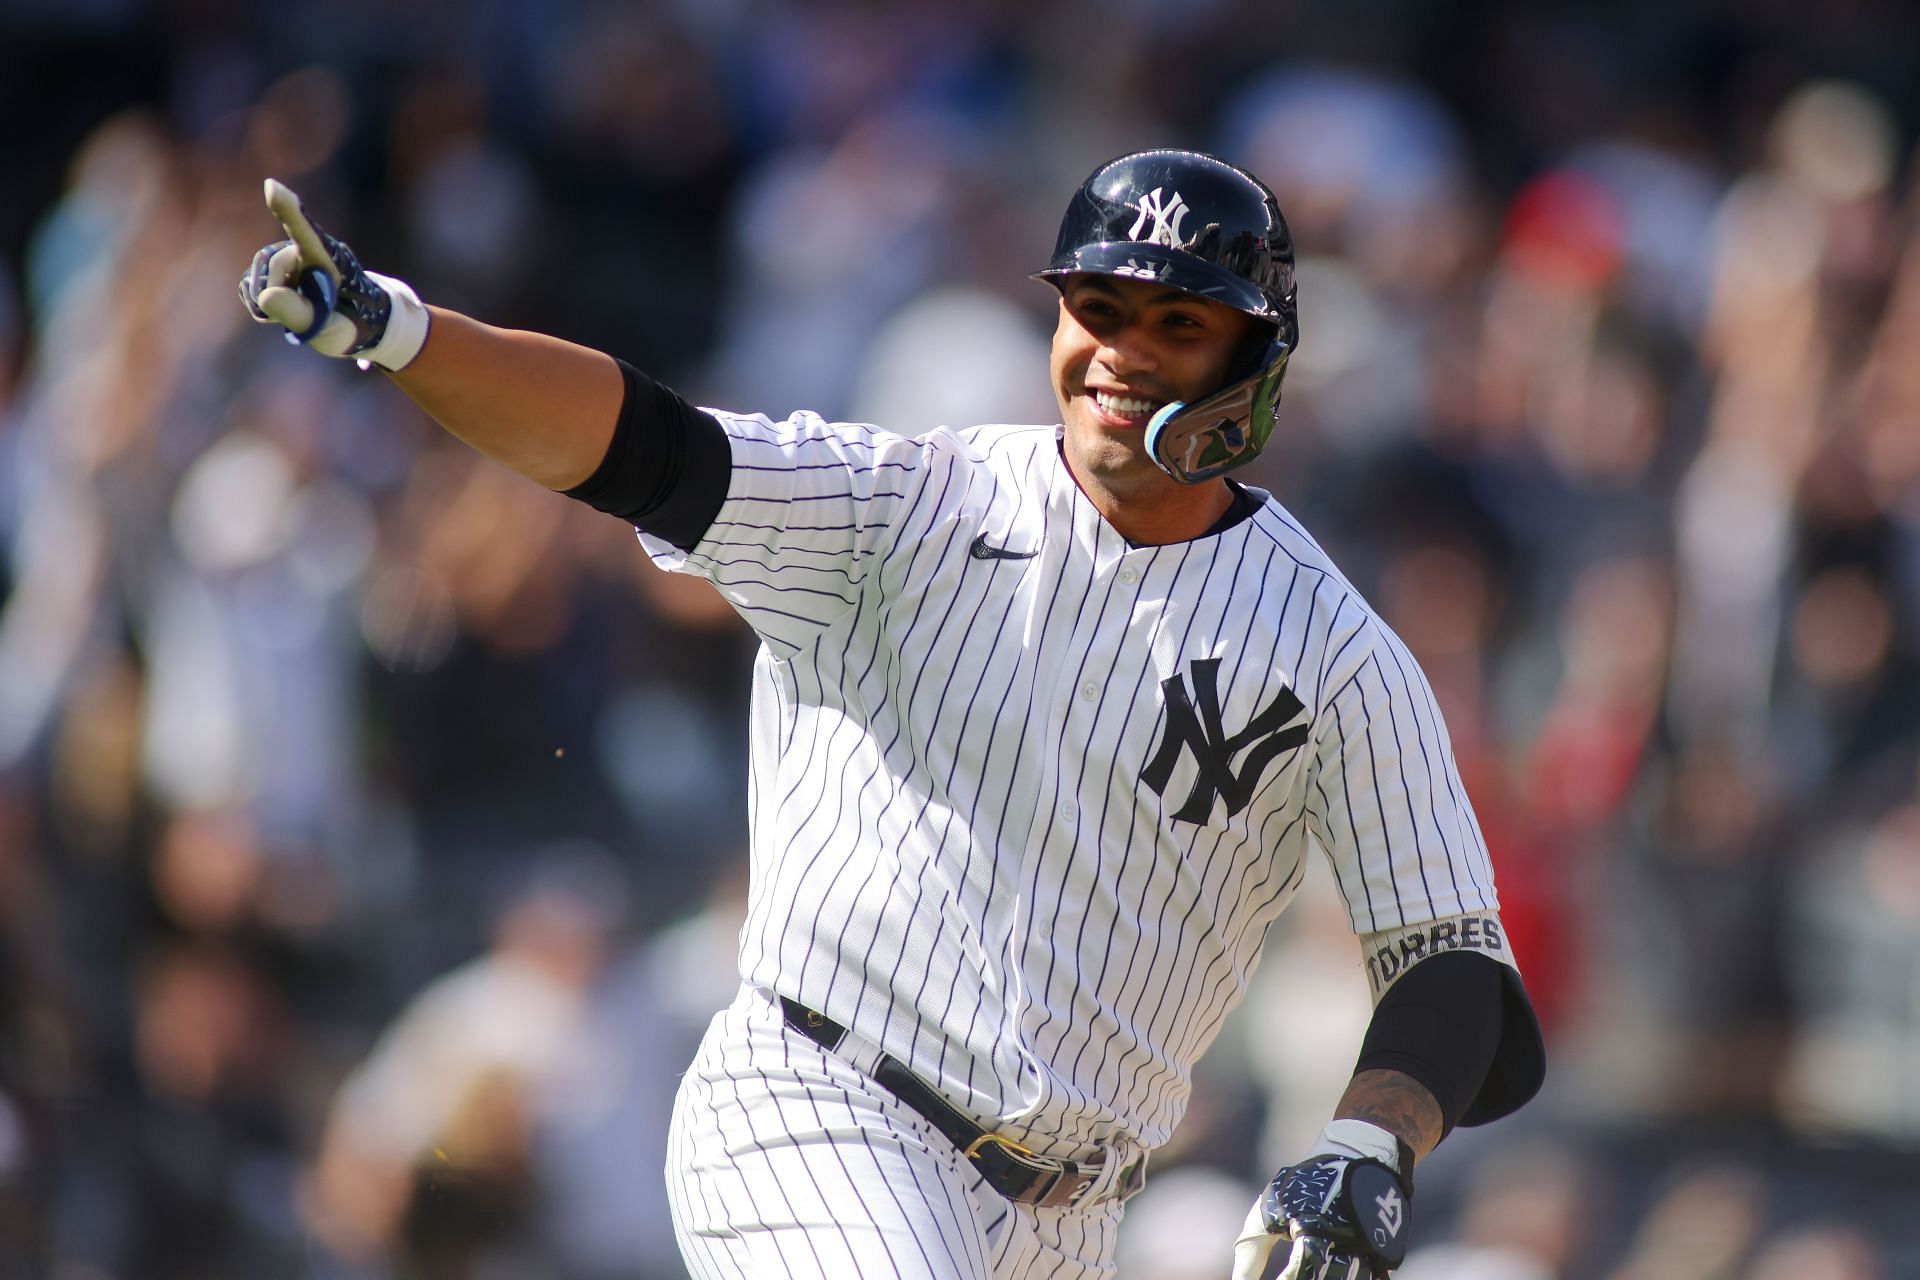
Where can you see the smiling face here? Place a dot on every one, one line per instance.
(1123, 349)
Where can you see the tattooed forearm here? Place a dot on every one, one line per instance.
(1398, 1104)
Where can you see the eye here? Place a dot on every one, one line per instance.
(1095, 312)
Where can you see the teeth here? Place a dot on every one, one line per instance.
(1124, 406)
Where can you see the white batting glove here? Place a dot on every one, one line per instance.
(1346, 1209)
(314, 288)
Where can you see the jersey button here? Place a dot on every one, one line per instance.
(1129, 575)
(1068, 813)
(1089, 691)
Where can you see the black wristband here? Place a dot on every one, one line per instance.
(667, 468)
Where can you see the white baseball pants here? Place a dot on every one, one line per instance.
(784, 1161)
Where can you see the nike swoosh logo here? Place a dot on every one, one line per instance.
(984, 550)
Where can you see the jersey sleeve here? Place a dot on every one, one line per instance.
(1384, 796)
(811, 509)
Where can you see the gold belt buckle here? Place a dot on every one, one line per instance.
(973, 1148)
(1066, 1180)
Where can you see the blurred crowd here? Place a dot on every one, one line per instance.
(372, 822)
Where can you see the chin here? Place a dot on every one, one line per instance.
(1116, 460)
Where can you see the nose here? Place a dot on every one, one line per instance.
(1127, 349)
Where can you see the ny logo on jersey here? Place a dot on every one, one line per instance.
(1199, 731)
(1167, 216)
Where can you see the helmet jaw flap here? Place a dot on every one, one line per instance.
(1213, 435)
(1198, 224)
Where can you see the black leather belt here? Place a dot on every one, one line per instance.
(1009, 1168)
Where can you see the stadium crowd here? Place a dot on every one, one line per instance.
(372, 822)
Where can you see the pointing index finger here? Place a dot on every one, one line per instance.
(285, 205)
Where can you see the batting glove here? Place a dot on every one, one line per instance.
(1346, 1209)
(313, 287)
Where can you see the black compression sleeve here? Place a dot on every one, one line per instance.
(1441, 1025)
(667, 467)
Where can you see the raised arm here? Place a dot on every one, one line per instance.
(541, 405)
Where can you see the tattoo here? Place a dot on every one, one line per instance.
(1397, 1103)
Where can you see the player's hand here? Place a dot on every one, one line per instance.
(313, 287)
(1346, 1217)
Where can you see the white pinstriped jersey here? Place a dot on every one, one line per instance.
(1024, 797)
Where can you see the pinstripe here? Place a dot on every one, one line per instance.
(788, 568)
(778, 1187)
(1051, 803)
(840, 1153)
(1270, 673)
(1214, 1005)
(1429, 744)
(1062, 747)
(1449, 773)
(839, 1220)
(874, 655)
(900, 782)
(769, 921)
(1165, 901)
(923, 719)
(1000, 823)
(1353, 827)
(1371, 753)
(972, 619)
(1405, 788)
(836, 467)
(695, 1249)
(857, 845)
(882, 1181)
(788, 528)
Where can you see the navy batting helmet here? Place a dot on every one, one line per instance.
(1200, 225)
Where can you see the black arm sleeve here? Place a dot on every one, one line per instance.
(1461, 1025)
(667, 467)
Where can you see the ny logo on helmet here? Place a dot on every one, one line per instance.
(1199, 730)
(1167, 216)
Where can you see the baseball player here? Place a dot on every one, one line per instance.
(1046, 721)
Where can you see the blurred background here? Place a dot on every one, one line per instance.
(371, 821)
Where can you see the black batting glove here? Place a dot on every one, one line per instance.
(313, 287)
(1347, 1214)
